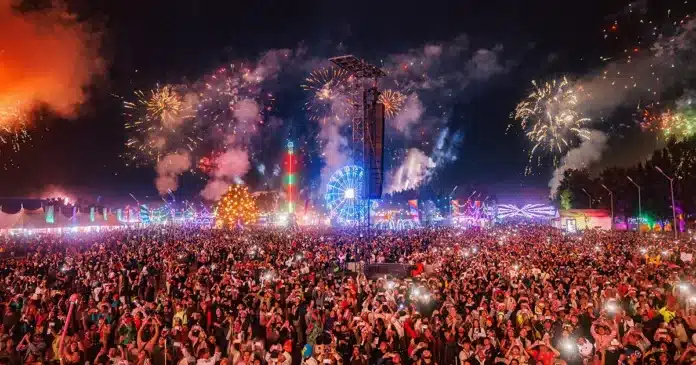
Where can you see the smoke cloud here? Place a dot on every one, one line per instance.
(45, 58)
(484, 64)
(214, 190)
(334, 151)
(168, 170)
(231, 165)
(246, 110)
(433, 76)
(234, 162)
(416, 169)
(409, 115)
(643, 77)
(588, 152)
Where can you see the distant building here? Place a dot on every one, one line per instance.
(574, 220)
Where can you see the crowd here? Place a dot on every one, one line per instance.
(510, 295)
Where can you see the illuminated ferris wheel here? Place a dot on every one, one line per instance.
(343, 194)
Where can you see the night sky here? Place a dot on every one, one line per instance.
(174, 41)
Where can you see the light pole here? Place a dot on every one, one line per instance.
(674, 209)
(640, 209)
(611, 201)
(588, 196)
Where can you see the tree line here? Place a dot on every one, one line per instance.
(677, 159)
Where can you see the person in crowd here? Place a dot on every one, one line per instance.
(512, 294)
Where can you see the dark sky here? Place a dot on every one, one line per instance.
(170, 41)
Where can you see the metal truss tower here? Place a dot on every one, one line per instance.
(366, 138)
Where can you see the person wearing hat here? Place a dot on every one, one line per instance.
(603, 333)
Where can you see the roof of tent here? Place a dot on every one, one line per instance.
(36, 219)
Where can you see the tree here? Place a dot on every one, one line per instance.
(566, 199)
(677, 158)
(237, 206)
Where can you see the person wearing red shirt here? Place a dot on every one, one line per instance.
(543, 353)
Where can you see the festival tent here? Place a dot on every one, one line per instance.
(47, 218)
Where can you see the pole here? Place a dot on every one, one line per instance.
(640, 208)
(640, 212)
(674, 208)
(589, 197)
(611, 201)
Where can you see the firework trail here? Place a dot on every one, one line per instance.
(649, 48)
(393, 102)
(549, 119)
(329, 93)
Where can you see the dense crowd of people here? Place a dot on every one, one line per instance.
(510, 295)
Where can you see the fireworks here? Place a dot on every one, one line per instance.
(237, 206)
(393, 101)
(157, 120)
(678, 124)
(163, 107)
(164, 104)
(329, 94)
(549, 119)
(13, 126)
(647, 45)
(208, 164)
(232, 101)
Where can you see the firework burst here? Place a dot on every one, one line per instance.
(679, 124)
(158, 124)
(233, 102)
(549, 119)
(328, 90)
(393, 102)
(209, 163)
(164, 104)
(13, 126)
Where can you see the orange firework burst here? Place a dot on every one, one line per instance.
(393, 101)
(13, 125)
(157, 122)
(46, 59)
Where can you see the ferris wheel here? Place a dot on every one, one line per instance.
(344, 192)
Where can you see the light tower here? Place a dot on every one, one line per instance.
(290, 177)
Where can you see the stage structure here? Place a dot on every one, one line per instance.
(527, 211)
(367, 127)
